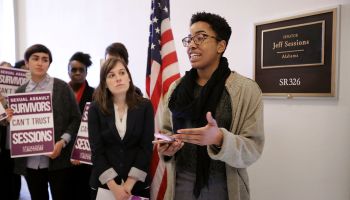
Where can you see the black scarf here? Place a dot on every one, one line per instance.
(185, 107)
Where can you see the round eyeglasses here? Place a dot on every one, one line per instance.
(197, 39)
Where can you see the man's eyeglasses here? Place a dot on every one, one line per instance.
(75, 70)
(197, 39)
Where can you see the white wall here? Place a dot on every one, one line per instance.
(7, 31)
(307, 151)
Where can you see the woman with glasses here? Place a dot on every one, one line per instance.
(216, 117)
(77, 70)
(121, 128)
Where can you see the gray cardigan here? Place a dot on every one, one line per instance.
(242, 144)
(66, 116)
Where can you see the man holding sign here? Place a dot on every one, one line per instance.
(54, 168)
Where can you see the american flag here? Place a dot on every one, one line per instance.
(162, 70)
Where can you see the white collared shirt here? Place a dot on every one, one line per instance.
(120, 121)
(39, 162)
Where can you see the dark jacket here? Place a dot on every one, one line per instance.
(66, 119)
(109, 151)
(86, 97)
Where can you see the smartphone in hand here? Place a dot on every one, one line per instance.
(162, 138)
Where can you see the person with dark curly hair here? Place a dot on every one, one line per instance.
(77, 70)
(216, 117)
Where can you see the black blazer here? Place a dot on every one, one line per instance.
(108, 150)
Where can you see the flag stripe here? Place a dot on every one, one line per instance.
(169, 81)
(157, 92)
(166, 37)
(155, 159)
(162, 70)
(169, 59)
(165, 24)
(155, 71)
(159, 173)
(162, 187)
(167, 48)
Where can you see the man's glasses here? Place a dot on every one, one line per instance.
(197, 39)
(75, 70)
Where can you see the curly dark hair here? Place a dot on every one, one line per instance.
(83, 58)
(216, 22)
